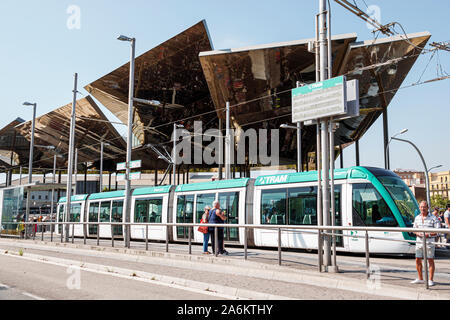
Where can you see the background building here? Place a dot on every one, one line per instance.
(439, 184)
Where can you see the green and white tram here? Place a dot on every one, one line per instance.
(364, 196)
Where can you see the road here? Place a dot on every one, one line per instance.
(49, 272)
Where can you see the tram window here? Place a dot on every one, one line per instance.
(303, 206)
(185, 207)
(229, 203)
(75, 211)
(203, 200)
(369, 208)
(93, 212)
(148, 210)
(273, 206)
(105, 211)
(117, 210)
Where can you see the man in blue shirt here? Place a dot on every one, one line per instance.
(216, 216)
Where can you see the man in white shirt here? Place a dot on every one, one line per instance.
(425, 220)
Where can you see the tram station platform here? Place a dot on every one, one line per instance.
(238, 278)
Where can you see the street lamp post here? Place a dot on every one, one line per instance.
(127, 204)
(30, 164)
(387, 147)
(427, 181)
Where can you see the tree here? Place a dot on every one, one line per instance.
(439, 201)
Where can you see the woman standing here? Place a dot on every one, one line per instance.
(205, 235)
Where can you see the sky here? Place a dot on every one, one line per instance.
(46, 42)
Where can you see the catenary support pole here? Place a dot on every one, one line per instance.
(127, 203)
(70, 160)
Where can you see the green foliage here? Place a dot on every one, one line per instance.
(439, 201)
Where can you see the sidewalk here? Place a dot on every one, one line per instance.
(391, 280)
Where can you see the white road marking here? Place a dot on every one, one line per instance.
(32, 296)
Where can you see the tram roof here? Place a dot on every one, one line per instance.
(75, 198)
(213, 185)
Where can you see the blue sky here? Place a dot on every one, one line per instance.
(40, 54)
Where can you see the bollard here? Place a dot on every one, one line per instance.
(190, 242)
(84, 232)
(245, 243)
(367, 256)
(279, 246)
(42, 233)
(425, 259)
(73, 231)
(146, 237)
(98, 234)
(112, 235)
(51, 233)
(26, 231)
(63, 229)
(216, 242)
(319, 249)
(167, 238)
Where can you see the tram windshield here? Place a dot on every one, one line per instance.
(403, 198)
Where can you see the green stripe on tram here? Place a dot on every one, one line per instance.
(78, 197)
(107, 195)
(151, 190)
(309, 176)
(213, 185)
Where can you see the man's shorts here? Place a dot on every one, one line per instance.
(430, 252)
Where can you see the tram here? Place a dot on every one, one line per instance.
(364, 196)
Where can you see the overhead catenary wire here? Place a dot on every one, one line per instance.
(246, 124)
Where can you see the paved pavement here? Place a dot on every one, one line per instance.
(207, 277)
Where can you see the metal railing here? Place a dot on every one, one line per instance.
(321, 231)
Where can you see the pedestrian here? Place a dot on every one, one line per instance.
(425, 220)
(204, 230)
(447, 224)
(216, 216)
(436, 214)
(21, 228)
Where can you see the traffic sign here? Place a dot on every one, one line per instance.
(133, 165)
(319, 100)
(133, 176)
(352, 90)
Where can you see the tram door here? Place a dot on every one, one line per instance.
(202, 201)
(116, 216)
(229, 203)
(185, 214)
(93, 217)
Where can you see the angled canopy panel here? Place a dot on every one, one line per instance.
(381, 66)
(53, 130)
(257, 81)
(12, 144)
(170, 74)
